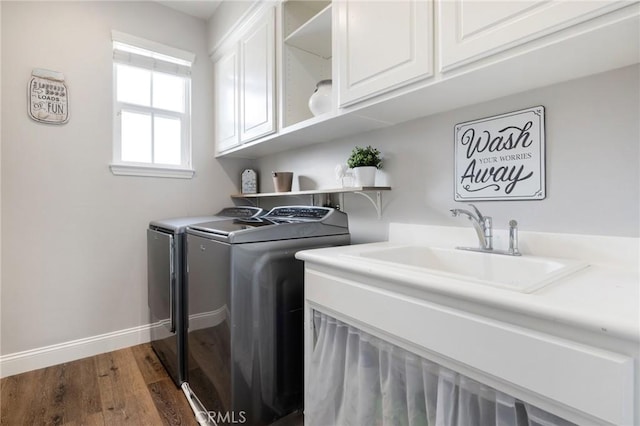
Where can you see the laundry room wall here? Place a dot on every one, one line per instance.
(74, 240)
(592, 164)
(227, 16)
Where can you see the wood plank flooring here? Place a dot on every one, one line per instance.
(124, 387)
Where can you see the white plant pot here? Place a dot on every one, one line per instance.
(365, 176)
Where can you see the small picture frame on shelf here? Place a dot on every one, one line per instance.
(249, 181)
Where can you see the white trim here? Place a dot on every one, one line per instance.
(33, 359)
(153, 46)
(150, 63)
(151, 171)
(20, 362)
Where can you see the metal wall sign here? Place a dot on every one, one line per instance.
(48, 97)
(501, 157)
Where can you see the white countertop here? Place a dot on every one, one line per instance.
(603, 298)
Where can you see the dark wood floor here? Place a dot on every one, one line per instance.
(128, 386)
(125, 387)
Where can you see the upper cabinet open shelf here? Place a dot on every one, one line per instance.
(306, 57)
(314, 36)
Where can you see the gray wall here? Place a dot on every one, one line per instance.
(592, 142)
(73, 234)
(227, 15)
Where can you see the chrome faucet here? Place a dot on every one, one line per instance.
(483, 226)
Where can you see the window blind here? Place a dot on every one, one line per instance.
(135, 51)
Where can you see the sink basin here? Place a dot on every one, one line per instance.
(518, 273)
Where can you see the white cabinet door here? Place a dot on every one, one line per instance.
(382, 45)
(226, 106)
(257, 73)
(470, 30)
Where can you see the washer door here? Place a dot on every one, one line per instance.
(208, 338)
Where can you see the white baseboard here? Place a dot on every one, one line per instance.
(47, 356)
(33, 359)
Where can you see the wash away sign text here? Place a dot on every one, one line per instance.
(501, 157)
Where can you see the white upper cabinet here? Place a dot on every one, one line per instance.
(226, 76)
(396, 60)
(470, 30)
(244, 83)
(382, 45)
(257, 79)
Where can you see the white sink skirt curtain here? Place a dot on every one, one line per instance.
(358, 379)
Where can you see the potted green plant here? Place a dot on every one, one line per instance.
(364, 162)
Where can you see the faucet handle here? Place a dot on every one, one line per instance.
(513, 238)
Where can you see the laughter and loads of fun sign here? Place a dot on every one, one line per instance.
(501, 157)
(48, 97)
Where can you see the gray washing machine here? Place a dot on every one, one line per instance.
(246, 303)
(166, 280)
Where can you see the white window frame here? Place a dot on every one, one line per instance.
(157, 58)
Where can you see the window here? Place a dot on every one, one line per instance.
(152, 108)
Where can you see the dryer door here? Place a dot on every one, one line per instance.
(161, 278)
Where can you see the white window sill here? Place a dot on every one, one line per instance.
(151, 171)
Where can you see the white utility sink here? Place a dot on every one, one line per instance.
(519, 273)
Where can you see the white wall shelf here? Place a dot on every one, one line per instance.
(314, 36)
(360, 190)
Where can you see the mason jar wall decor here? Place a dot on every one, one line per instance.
(48, 97)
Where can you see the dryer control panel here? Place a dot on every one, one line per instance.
(299, 212)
